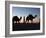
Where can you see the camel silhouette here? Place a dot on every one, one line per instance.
(30, 17)
(16, 19)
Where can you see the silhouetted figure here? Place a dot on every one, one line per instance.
(16, 19)
(30, 17)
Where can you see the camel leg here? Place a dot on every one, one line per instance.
(32, 21)
(27, 21)
(19, 21)
(16, 21)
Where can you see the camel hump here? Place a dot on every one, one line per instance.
(30, 15)
(15, 16)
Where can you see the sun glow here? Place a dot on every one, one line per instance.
(36, 20)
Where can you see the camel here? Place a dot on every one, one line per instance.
(30, 17)
(16, 19)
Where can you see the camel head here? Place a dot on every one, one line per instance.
(20, 18)
(35, 16)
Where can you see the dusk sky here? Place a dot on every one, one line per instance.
(25, 11)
